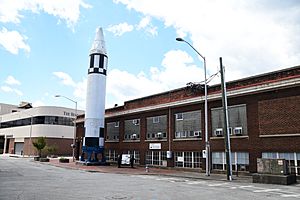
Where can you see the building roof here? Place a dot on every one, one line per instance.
(288, 77)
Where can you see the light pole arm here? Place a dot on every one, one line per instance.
(67, 98)
(195, 50)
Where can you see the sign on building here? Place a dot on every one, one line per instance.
(155, 146)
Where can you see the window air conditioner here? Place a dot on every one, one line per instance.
(158, 135)
(133, 136)
(136, 122)
(219, 132)
(197, 133)
(238, 130)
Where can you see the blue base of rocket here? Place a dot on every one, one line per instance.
(90, 151)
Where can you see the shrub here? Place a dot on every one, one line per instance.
(39, 144)
(63, 160)
(51, 150)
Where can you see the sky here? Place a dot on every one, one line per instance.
(44, 45)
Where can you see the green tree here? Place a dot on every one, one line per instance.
(39, 144)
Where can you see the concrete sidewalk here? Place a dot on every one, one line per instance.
(137, 170)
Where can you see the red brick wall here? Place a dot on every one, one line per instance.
(62, 145)
(279, 116)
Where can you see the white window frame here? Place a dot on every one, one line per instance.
(178, 134)
(179, 116)
(155, 120)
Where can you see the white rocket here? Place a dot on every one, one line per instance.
(93, 141)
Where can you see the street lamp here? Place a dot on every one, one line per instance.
(30, 132)
(207, 150)
(74, 136)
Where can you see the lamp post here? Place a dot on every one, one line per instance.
(207, 149)
(30, 132)
(74, 136)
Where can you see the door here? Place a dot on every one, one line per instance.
(19, 148)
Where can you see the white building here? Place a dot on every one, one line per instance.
(20, 127)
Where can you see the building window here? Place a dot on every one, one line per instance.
(157, 127)
(188, 124)
(50, 120)
(292, 158)
(179, 116)
(111, 155)
(113, 131)
(188, 159)
(132, 129)
(155, 120)
(237, 118)
(158, 158)
(239, 160)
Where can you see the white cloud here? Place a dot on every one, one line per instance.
(66, 10)
(79, 88)
(38, 103)
(251, 36)
(18, 92)
(11, 90)
(10, 12)
(146, 25)
(123, 86)
(6, 89)
(66, 79)
(120, 29)
(12, 41)
(10, 80)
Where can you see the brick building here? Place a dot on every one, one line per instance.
(20, 126)
(264, 121)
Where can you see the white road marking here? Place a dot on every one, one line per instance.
(245, 186)
(233, 186)
(266, 190)
(217, 184)
(291, 195)
(194, 182)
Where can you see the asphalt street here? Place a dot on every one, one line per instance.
(24, 179)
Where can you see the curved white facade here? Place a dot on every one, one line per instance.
(45, 121)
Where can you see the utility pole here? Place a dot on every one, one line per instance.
(225, 126)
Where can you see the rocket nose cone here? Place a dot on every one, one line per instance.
(99, 34)
(98, 44)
